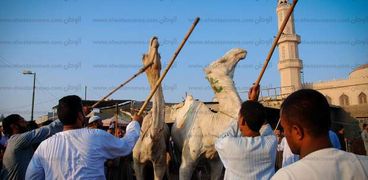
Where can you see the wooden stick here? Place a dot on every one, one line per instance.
(116, 119)
(277, 125)
(275, 41)
(274, 46)
(169, 66)
(143, 69)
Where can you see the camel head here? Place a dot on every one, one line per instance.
(154, 43)
(225, 66)
(153, 72)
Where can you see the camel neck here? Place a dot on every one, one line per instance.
(158, 102)
(158, 112)
(226, 94)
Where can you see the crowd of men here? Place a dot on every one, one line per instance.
(65, 149)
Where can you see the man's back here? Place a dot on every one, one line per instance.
(329, 163)
(79, 153)
(248, 157)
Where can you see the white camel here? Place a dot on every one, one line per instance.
(151, 146)
(196, 127)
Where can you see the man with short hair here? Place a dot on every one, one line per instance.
(248, 148)
(19, 149)
(77, 152)
(305, 117)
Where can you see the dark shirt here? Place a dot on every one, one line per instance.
(19, 150)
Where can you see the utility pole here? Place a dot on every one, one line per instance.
(85, 92)
(34, 89)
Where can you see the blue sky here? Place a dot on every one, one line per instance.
(71, 44)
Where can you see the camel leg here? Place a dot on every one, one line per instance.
(216, 168)
(189, 162)
(159, 170)
(186, 169)
(159, 167)
(138, 169)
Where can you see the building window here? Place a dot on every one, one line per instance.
(362, 98)
(328, 99)
(344, 100)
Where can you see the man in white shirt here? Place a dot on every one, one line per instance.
(305, 117)
(248, 148)
(334, 139)
(77, 152)
(287, 156)
(365, 137)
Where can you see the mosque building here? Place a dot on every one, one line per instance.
(349, 93)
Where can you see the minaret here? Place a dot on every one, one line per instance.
(289, 63)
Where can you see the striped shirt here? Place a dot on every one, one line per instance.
(247, 157)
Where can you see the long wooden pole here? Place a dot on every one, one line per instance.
(143, 69)
(116, 119)
(169, 66)
(277, 125)
(275, 41)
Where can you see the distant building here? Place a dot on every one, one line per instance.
(345, 92)
(347, 97)
(350, 93)
(49, 117)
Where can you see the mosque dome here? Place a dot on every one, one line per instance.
(359, 72)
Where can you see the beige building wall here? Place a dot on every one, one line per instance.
(355, 88)
(42, 119)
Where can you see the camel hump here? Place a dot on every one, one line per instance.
(185, 111)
